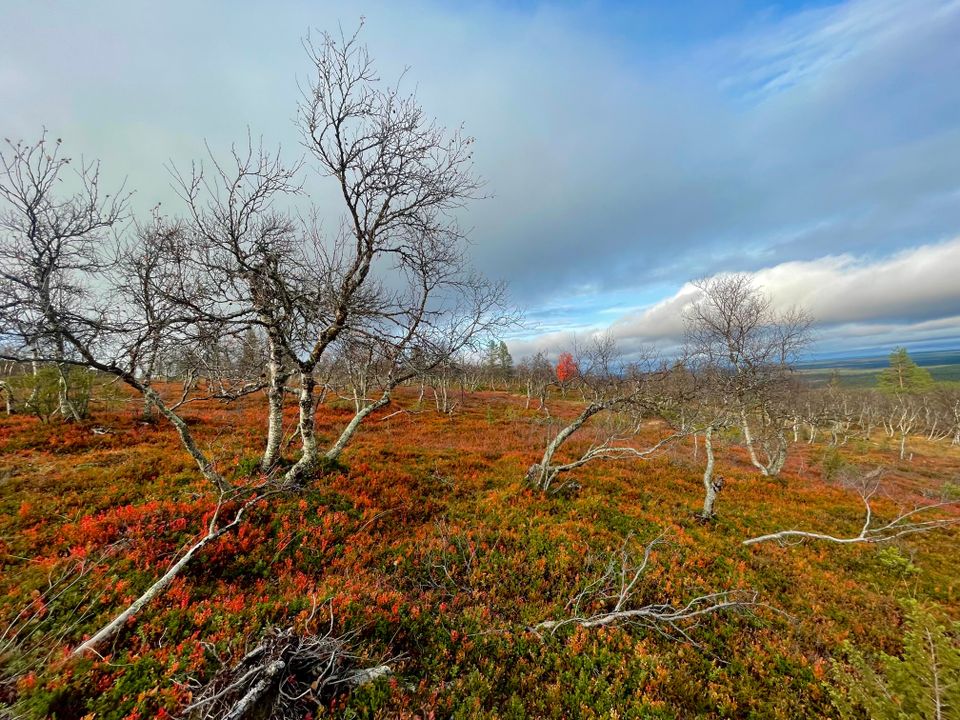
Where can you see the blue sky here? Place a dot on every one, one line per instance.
(628, 147)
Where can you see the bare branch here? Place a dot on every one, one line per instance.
(611, 599)
(867, 486)
(285, 675)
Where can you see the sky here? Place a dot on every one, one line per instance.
(627, 148)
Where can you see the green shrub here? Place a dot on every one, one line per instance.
(248, 466)
(923, 683)
(894, 560)
(832, 463)
(39, 393)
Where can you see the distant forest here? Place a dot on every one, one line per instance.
(863, 371)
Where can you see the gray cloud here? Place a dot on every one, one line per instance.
(831, 131)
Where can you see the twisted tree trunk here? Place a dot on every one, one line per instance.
(711, 488)
(306, 466)
(542, 474)
(748, 441)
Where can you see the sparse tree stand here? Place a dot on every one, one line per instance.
(497, 363)
(46, 243)
(905, 380)
(537, 376)
(400, 176)
(906, 415)
(621, 392)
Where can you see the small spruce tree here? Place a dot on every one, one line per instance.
(922, 684)
(491, 355)
(504, 360)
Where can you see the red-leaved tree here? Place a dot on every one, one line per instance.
(566, 368)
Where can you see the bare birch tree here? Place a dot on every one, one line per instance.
(537, 375)
(250, 250)
(733, 327)
(400, 177)
(48, 240)
(702, 410)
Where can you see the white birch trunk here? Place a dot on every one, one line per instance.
(334, 452)
(710, 488)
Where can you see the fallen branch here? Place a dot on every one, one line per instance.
(24, 636)
(867, 486)
(450, 565)
(610, 599)
(213, 533)
(285, 676)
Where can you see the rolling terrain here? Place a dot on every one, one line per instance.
(431, 550)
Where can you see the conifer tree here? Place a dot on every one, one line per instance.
(504, 360)
(923, 683)
(904, 375)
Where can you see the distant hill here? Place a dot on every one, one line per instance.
(944, 365)
(924, 358)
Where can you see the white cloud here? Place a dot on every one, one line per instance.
(856, 302)
(914, 284)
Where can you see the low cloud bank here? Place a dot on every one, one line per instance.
(858, 303)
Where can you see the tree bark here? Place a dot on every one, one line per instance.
(249, 701)
(748, 441)
(7, 397)
(305, 467)
(67, 409)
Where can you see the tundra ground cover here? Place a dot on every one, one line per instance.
(429, 545)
